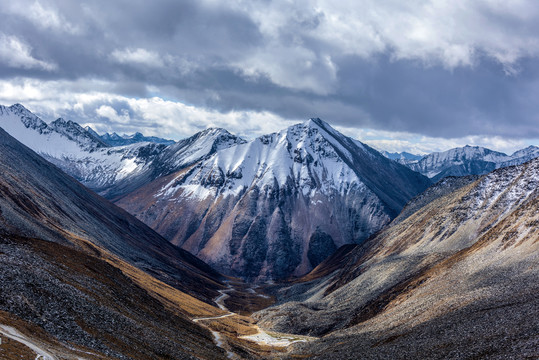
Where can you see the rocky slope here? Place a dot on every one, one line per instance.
(277, 205)
(468, 160)
(455, 279)
(40, 201)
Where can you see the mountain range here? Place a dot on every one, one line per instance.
(120, 140)
(467, 160)
(266, 208)
(343, 252)
(277, 205)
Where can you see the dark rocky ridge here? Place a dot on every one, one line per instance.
(80, 274)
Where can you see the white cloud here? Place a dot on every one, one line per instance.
(16, 53)
(137, 56)
(43, 17)
(301, 34)
(113, 116)
(89, 103)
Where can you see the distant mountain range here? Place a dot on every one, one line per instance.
(121, 140)
(467, 160)
(402, 157)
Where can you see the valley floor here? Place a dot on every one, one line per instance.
(251, 336)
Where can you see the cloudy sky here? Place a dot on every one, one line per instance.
(415, 76)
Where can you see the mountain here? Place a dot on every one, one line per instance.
(165, 160)
(75, 150)
(117, 140)
(55, 140)
(455, 279)
(77, 133)
(110, 171)
(402, 157)
(81, 276)
(469, 160)
(279, 204)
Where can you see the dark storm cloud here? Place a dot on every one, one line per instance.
(353, 65)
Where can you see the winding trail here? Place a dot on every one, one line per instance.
(261, 337)
(220, 302)
(14, 334)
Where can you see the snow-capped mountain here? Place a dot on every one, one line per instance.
(117, 140)
(279, 204)
(403, 158)
(111, 171)
(468, 160)
(75, 150)
(77, 133)
(175, 157)
(55, 140)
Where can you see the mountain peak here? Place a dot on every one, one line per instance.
(214, 131)
(19, 108)
(317, 123)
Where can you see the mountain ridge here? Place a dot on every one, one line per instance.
(467, 160)
(80, 274)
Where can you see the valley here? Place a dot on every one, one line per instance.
(303, 243)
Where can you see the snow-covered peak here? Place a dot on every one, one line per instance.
(113, 136)
(316, 122)
(530, 150)
(469, 153)
(197, 147)
(19, 113)
(77, 133)
(92, 131)
(212, 131)
(469, 160)
(310, 155)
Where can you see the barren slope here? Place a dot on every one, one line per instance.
(80, 274)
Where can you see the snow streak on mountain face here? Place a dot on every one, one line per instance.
(468, 160)
(277, 205)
